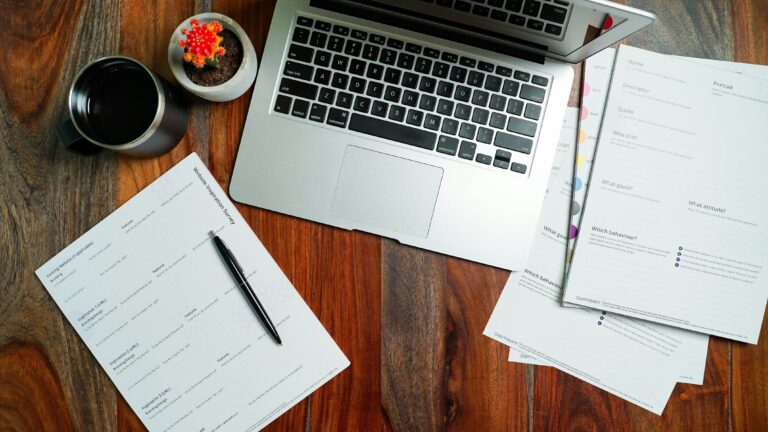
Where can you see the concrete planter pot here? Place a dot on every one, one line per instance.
(235, 86)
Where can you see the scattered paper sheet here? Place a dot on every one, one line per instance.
(677, 199)
(149, 295)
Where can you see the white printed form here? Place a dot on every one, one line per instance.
(633, 359)
(675, 225)
(149, 295)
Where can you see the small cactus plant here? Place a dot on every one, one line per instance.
(202, 45)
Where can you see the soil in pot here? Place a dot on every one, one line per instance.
(229, 63)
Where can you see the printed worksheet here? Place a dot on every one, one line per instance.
(675, 225)
(150, 296)
(633, 359)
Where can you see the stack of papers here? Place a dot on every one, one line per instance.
(663, 244)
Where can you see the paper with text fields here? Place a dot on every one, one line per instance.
(633, 359)
(675, 225)
(152, 299)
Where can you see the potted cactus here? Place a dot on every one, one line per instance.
(211, 56)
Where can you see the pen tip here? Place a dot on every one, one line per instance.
(212, 234)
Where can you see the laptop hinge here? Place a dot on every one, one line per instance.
(430, 28)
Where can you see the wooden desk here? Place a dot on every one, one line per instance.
(410, 321)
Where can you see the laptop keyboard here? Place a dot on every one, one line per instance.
(540, 16)
(413, 94)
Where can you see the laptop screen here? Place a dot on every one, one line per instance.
(555, 28)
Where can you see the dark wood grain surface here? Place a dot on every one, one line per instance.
(410, 321)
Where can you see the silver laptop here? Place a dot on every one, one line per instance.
(432, 122)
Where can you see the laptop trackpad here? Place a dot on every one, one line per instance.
(388, 192)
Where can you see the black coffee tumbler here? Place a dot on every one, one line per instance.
(118, 104)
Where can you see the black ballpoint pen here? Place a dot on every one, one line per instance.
(239, 275)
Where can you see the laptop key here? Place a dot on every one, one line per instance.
(427, 84)
(377, 39)
(502, 159)
(304, 21)
(392, 94)
(535, 24)
(480, 116)
(449, 57)
(483, 159)
(410, 80)
(344, 100)
(405, 61)
(532, 111)
(335, 43)
(481, 10)
(440, 69)
(340, 62)
(499, 121)
(414, 117)
(503, 71)
(450, 126)
(447, 145)
(298, 70)
(413, 48)
(497, 102)
(427, 102)
(484, 135)
(337, 117)
(374, 71)
(514, 5)
(531, 8)
(480, 97)
(370, 52)
(467, 150)
(431, 52)
(523, 127)
(395, 43)
(540, 80)
(379, 108)
(318, 39)
(467, 130)
(388, 56)
(300, 108)
(532, 93)
(445, 107)
(510, 87)
(322, 58)
(298, 88)
(517, 20)
(518, 167)
(553, 13)
(423, 65)
(362, 104)
(375, 89)
(322, 76)
(476, 79)
(499, 15)
(432, 122)
(444, 88)
(515, 106)
(410, 98)
(282, 104)
(339, 80)
(462, 111)
(513, 142)
(353, 48)
(468, 62)
(318, 112)
(462, 6)
(341, 30)
(357, 85)
(493, 83)
(327, 95)
(554, 30)
(458, 74)
(357, 67)
(359, 35)
(301, 35)
(485, 66)
(392, 75)
(522, 76)
(396, 113)
(300, 53)
(462, 93)
(322, 25)
(392, 131)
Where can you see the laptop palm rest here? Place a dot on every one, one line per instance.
(387, 192)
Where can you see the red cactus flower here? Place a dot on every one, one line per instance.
(202, 45)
